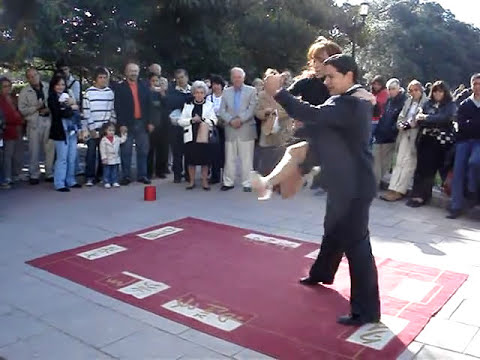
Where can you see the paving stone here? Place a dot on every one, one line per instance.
(468, 313)
(474, 346)
(92, 323)
(155, 344)
(52, 345)
(410, 352)
(248, 354)
(211, 342)
(35, 296)
(434, 353)
(440, 332)
(419, 237)
(17, 326)
(151, 319)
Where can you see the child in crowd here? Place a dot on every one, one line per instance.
(110, 154)
(75, 124)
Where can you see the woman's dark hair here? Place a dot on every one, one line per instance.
(379, 79)
(101, 71)
(55, 80)
(217, 79)
(441, 86)
(343, 64)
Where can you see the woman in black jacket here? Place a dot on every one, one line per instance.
(64, 133)
(434, 142)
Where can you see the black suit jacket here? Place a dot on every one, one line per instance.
(124, 107)
(338, 134)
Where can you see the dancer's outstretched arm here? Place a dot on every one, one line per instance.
(329, 114)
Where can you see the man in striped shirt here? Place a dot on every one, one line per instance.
(98, 109)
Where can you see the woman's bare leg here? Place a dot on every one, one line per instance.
(286, 174)
(191, 175)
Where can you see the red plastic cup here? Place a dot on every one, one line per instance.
(150, 193)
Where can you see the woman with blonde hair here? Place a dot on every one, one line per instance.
(310, 85)
(406, 160)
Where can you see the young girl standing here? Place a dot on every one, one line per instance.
(110, 154)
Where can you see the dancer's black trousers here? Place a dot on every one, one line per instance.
(346, 232)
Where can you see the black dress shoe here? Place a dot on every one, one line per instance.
(247, 189)
(76, 186)
(355, 320)
(214, 181)
(226, 188)
(34, 181)
(309, 281)
(65, 189)
(125, 181)
(414, 203)
(162, 176)
(49, 179)
(206, 188)
(145, 180)
(177, 180)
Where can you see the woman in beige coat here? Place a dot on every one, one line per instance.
(276, 130)
(406, 160)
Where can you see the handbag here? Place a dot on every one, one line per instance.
(214, 136)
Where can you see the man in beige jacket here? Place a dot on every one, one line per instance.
(32, 103)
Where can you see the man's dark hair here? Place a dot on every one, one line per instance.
(217, 79)
(180, 71)
(61, 63)
(343, 64)
(441, 86)
(101, 71)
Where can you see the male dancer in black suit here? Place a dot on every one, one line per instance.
(340, 132)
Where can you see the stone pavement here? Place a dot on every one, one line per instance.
(46, 317)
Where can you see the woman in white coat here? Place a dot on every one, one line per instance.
(198, 120)
(406, 162)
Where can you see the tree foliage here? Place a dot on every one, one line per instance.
(407, 39)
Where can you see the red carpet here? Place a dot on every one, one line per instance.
(217, 279)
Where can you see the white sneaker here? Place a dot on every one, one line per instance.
(107, 186)
(261, 186)
(89, 183)
(116, 185)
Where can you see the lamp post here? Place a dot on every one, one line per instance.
(363, 12)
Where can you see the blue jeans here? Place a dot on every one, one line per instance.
(93, 155)
(466, 171)
(110, 174)
(139, 134)
(64, 171)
